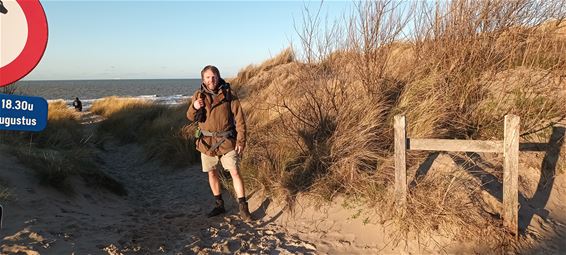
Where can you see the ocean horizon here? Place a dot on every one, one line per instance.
(94, 89)
(165, 91)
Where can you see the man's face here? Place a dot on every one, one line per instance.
(210, 80)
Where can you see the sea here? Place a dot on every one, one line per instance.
(162, 91)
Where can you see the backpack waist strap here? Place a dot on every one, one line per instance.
(224, 134)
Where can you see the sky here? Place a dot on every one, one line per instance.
(167, 39)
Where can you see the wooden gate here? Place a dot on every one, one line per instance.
(509, 146)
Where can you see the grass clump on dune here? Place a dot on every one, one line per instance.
(109, 105)
(63, 130)
(60, 152)
(321, 125)
(162, 130)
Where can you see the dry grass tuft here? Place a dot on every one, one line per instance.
(322, 125)
(162, 130)
(109, 105)
(60, 152)
(63, 128)
(246, 75)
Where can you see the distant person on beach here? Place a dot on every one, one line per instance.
(221, 135)
(78, 104)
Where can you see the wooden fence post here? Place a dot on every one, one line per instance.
(400, 163)
(511, 174)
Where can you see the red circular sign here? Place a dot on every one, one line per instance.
(34, 47)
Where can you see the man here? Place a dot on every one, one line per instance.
(221, 135)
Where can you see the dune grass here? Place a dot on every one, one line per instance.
(321, 125)
(110, 105)
(60, 152)
(162, 130)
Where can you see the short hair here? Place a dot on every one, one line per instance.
(212, 68)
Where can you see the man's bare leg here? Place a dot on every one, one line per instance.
(238, 183)
(214, 181)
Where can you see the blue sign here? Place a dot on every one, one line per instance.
(22, 113)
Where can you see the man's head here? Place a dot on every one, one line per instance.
(210, 77)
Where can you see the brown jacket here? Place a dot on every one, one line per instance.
(218, 119)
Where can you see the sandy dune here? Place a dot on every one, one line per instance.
(163, 213)
(164, 210)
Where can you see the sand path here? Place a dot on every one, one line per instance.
(164, 210)
(168, 210)
(163, 213)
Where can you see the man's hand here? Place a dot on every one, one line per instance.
(239, 149)
(198, 104)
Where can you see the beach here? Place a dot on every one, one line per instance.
(402, 128)
(164, 213)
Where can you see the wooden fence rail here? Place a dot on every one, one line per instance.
(509, 146)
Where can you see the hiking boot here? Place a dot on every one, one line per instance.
(218, 209)
(245, 212)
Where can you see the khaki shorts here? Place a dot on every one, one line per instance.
(229, 161)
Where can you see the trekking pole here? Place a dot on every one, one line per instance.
(1, 214)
